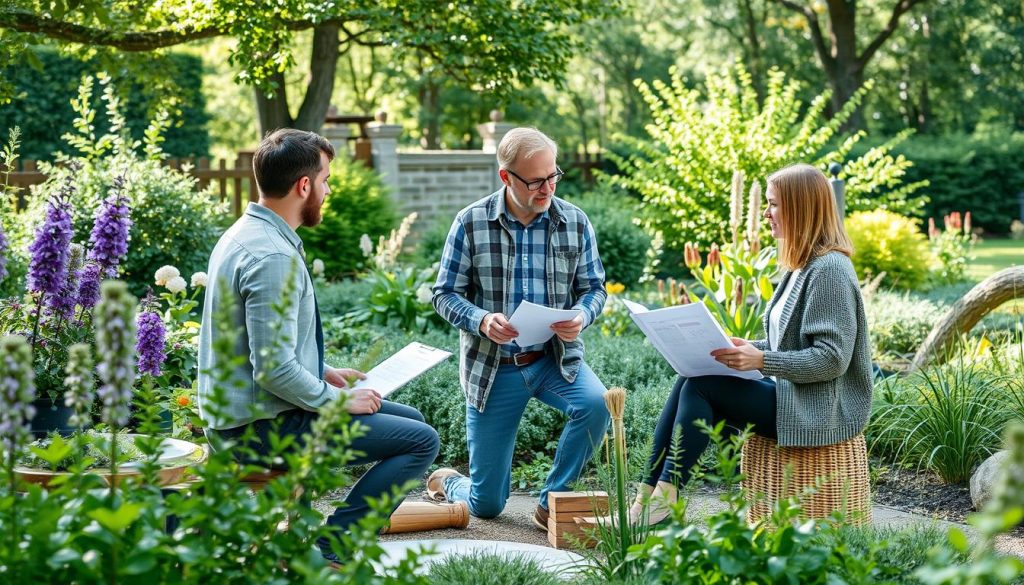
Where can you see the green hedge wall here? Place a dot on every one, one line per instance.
(41, 105)
(980, 175)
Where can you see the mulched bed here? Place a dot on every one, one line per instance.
(924, 493)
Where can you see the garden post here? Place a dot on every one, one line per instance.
(384, 145)
(1020, 201)
(492, 132)
(838, 189)
(338, 135)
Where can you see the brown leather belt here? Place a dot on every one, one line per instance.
(522, 359)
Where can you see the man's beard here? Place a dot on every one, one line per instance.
(311, 213)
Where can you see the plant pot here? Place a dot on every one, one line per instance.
(51, 416)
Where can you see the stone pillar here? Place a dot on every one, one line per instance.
(492, 132)
(337, 135)
(384, 145)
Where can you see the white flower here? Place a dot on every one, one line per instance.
(176, 284)
(366, 245)
(424, 295)
(199, 279)
(318, 267)
(165, 273)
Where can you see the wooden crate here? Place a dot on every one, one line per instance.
(564, 508)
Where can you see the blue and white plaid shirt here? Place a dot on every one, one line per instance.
(478, 275)
(529, 275)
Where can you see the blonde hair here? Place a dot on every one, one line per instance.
(810, 223)
(523, 143)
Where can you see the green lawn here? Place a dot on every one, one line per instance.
(991, 256)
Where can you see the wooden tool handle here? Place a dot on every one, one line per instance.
(419, 516)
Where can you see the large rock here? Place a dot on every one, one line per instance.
(985, 478)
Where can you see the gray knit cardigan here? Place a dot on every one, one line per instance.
(823, 362)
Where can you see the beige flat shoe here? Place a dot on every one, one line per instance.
(435, 483)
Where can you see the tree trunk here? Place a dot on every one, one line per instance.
(987, 296)
(846, 76)
(430, 114)
(323, 65)
(273, 111)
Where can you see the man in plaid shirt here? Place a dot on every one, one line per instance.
(520, 244)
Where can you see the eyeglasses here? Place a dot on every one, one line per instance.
(552, 179)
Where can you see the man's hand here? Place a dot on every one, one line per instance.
(742, 357)
(339, 377)
(363, 401)
(495, 326)
(569, 330)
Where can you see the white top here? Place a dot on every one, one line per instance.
(776, 313)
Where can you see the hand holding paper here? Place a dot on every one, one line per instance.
(534, 322)
(399, 369)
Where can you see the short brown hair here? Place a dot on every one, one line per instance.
(285, 156)
(810, 224)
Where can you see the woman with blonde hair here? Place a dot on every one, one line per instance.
(816, 349)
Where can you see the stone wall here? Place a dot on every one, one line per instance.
(437, 184)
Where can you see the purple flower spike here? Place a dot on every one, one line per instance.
(63, 305)
(149, 343)
(17, 389)
(89, 286)
(108, 242)
(48, 268)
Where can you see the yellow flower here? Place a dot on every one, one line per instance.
(615, 288)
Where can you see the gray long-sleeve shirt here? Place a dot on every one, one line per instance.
(249, 269)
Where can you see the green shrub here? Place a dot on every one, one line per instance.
(173, 222)
(899, 322)
(493, 569)
(621, 242)
(700, 136)
(40, 105)
(978, 174)
(947, 419)
(357, 204)
(884, 241)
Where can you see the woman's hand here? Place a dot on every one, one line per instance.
(742, 357)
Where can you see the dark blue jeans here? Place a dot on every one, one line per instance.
(737, 401)
(396, 437)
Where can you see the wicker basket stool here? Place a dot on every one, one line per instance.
(843, 467)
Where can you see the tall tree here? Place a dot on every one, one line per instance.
(842, 61)
(486, 44)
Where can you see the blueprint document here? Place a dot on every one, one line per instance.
(399, 369)
(685, 335)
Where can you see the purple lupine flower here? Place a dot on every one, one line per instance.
(79, 385)
(3, 253)
(89, 285)
(48, 268)
(63, 304)
(108, 242)
(149, 344)
(115, 334)
(17, 390)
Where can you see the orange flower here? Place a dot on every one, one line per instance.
(183, 400)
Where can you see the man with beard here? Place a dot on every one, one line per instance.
(257, 264)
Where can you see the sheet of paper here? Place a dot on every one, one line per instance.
(399, 369)
(533, 322)
(685, 335)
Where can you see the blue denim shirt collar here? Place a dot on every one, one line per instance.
(266, 214)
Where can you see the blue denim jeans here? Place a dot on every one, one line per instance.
(492, 433)
(396, 437)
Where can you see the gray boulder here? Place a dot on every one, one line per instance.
(985, 478)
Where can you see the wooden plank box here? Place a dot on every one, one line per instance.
(564, 508)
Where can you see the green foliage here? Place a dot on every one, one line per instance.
(947, 419)
(357, 204)
(899, 322)
(951, 247)
(737, 287)
(494, 569)
(401, 298)
(530, 475)
(621, 243)
(980, 174)
(700, 136)
(41, 102)
(884, 241)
